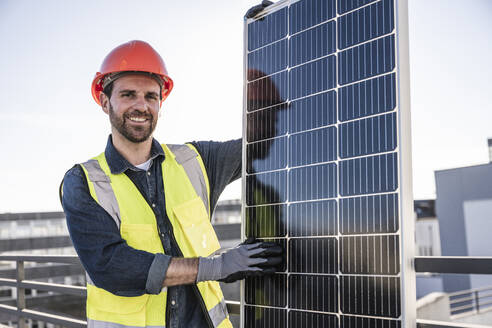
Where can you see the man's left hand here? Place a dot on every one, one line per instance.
(253, 11)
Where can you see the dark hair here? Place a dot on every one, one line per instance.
(108, 90)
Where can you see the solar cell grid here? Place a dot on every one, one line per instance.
(267, 123)
(370, 255)
(366, 60)
(313, 255)
(370, 295)
(345, 6)
(273, 154)
(365, 24)
(305, 14)
(268, 291)
(313, 292)
(318, 218)
(312, 44)
(266, 188)
(366, 98)
(313, 182)
(270, 59)
(313, 77)
(264, 88)
(367, 136)
(313, 147)
(369, 214)
(322, 164)
(312, 112)
(260, 227)
(264, 317)
(299, 319)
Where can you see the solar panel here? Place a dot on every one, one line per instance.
(327, 170)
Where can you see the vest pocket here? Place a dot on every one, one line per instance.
(103, 300)
(142, 236)
(193, 219)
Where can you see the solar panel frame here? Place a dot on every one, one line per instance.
(403, 193)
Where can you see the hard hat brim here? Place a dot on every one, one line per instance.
(96, 87)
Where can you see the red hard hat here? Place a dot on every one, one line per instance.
(136, 56)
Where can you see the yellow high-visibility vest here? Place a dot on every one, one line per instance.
(187, 195)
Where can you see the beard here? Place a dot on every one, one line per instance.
(134, 134)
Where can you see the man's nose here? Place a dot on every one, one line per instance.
(140, 102)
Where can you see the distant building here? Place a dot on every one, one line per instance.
(227, 211)
(427, 243)
(427, 240)
(39, 234)
(464, 210)
(36, 234)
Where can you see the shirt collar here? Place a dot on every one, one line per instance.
(118, 164)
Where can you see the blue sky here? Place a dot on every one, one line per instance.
(51, 50)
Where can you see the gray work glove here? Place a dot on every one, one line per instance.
(251, 258)
(253, 11)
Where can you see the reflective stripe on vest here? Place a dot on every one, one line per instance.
(188, 208)
(104, 324)
(184, 157)
(218, 312)
(102, 187)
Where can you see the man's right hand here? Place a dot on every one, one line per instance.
(250, 258)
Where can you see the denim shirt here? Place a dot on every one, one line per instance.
(121, 269)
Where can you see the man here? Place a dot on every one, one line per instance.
(139, 213)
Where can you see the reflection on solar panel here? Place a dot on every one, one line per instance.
(326, 169)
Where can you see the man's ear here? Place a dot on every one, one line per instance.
(104, 102)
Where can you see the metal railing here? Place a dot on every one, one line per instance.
(454, 264)
(471, 265)
(21, 284)
(473, 300)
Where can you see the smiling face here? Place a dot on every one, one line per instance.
(133, 107)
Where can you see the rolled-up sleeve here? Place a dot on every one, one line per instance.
(109, 261)
(157, 273)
